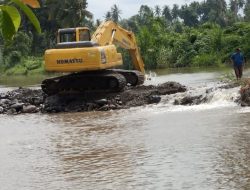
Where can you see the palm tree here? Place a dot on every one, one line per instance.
(157, 11)
(145, 14)
(115, 13)
(214, 11)
(107, 16)
(166, 13)
(175, 12)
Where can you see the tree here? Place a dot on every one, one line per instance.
(157, 11)
(145, 15)
(68, 13)
(235, 5)
(166, 13)
(196, 7)
(11, 18)
(98, 22)
(107, 16)
(189, 15)
(214, 11)
(175, 12)
(115, 13)
(247, 10)
(131, 23)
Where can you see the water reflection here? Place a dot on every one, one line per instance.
(99, 149)
(16, 81)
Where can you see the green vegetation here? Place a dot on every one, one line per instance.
(10, 18)
(169, 38)
(30, 65)
(17, 56)
(192, 35)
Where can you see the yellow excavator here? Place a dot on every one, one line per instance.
(91, 60)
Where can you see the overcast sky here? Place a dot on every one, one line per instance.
(128, 7)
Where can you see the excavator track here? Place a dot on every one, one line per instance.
(133, 77)
(94, 81)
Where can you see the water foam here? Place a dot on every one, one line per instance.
(244, 110)
(210, 98)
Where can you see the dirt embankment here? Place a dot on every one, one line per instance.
(25, 100)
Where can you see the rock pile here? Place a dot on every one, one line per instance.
(25, 100)
(21, 100)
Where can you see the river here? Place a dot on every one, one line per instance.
(163, 146)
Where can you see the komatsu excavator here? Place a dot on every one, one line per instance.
(91, 61)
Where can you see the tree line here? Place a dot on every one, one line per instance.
(196, 34)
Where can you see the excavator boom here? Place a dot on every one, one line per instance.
(111, 33)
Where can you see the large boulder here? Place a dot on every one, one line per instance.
(245, 95)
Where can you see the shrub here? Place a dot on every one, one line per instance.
(17, 70)
(163, 58)
(203, 44)
(231, 42)
(12, 59)
(206, 60)
(32, 63)
(39, 70)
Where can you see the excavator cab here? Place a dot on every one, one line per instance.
(74, 38)
(73, 35)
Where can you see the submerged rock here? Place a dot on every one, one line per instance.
(154, 99)
(188, 100)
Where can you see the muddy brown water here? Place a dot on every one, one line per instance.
(160, 146)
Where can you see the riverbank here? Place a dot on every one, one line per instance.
(26, 66)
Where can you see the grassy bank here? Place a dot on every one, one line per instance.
(27, 66)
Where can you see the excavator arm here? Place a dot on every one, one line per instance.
(110, 33)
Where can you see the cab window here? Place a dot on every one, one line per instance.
(68, 37)
(84, 35)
